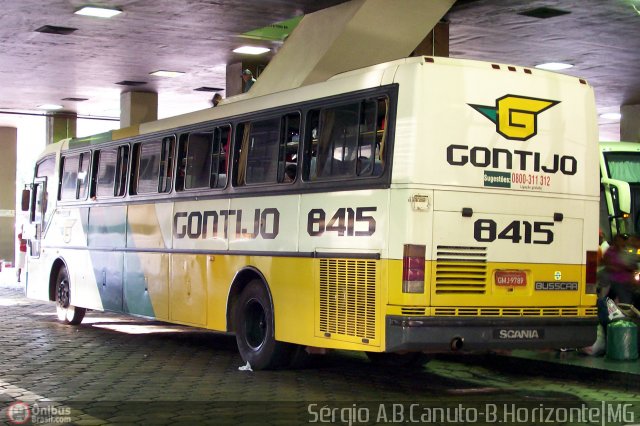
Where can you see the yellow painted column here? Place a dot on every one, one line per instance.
(61, 125)
(8, 147)
(630, 123)
(138, 107)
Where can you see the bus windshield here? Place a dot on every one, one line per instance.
(624, 166)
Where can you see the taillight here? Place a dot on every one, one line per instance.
(592, 272)
(413, 269)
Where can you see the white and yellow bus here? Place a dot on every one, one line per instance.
(421, 205)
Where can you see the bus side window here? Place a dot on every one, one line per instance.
(346, 140)
(75, 177)
(198, 160)
(258, 152)
(106, 172)
(153, 162)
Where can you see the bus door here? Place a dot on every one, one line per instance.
(37, 213)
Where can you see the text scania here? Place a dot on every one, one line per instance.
(497, 158)
(212, 224)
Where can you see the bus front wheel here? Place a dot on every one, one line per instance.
(67, 313)
(255, 330)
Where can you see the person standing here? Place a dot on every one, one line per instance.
(247, 77)
(22, 254)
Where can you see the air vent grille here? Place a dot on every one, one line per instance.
(461, 270)
(511, 312)
(348, 298)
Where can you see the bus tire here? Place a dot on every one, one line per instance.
(255, 330)
(404, 360)
(66, 312)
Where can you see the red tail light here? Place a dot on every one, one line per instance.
(413, 269)
(592, 269)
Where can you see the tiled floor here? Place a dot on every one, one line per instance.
(114, 369)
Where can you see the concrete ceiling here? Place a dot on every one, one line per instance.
(601, 37)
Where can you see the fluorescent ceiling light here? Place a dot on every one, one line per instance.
(165, 73)
(611, 116)
(98, 12)
(49, 107)
(554, 66)
(251, 50)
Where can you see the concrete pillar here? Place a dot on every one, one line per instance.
(61, 125)
(8, 147)
(235, 84)
(436, 43)
(138, 107)
(630, 123)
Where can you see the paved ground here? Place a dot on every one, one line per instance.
(114, 369)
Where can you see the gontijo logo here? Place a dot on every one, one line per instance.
(516, 117)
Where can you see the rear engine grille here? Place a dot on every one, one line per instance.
(461, 270)
(510, 312)
(412, 310)
(348, 297)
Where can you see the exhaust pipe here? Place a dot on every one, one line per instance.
(456, 343)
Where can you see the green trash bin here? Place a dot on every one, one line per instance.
(622, 340)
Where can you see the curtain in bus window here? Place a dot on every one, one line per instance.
(69, 177)
(198, 164)
(83, 176)
(122, 169)
(382, 129)
(107, 161)
(149, 168)
(623, 166)
(166, 164)
(219, 157)
(244, 152)
(368, 137)
(262, 158)
(289, 144)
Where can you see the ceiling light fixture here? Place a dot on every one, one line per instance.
(98, 12)
(165, 73)
(611, 116)
(554, 66)
(251, 50)
(50, 107)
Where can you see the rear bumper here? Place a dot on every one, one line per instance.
(437, 334)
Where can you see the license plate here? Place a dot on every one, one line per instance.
(511, 278)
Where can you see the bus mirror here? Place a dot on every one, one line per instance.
(26, 197)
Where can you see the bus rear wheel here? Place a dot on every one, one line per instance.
(255, 330)
(66, 312)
